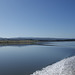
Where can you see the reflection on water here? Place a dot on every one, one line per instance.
(62, 44)
(39, 43)
(26, 59)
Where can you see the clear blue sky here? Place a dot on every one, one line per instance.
(37, 18)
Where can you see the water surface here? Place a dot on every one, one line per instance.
(24, 60)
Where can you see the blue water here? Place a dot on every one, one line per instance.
(24, 60)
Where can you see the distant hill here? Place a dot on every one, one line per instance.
(41, 39)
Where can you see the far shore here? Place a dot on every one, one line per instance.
(31, 41)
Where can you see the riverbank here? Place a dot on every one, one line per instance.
(63, 67)
(30, 41)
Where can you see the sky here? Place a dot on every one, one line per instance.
(37, 18)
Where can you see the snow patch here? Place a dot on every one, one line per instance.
(63, 67)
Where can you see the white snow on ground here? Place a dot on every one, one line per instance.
(63, 67)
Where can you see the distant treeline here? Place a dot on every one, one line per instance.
(57, 40)
(17, 41)
(31, 41)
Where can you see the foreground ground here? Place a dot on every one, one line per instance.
(63, 67)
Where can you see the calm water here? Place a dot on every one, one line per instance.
(24, 60)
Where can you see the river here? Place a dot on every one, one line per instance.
(26, 59)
